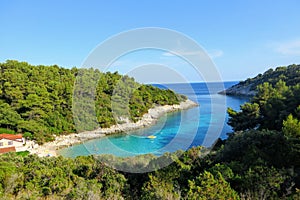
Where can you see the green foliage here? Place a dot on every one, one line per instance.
(289, 74)
(256, 147)
(30, 95)
(23, 153)
(27, 135)
(7, 173)
(4, 130)
(265, 161)
(8, 117)
(41, 100)
(160, 187)
(260, 182)
(224, 170)
(146, 96)
(268, 108)
(208, 186)
(251, 165)
(247, 118)
(260, 161)
(264, 164)
(291, 127)
(30, 177)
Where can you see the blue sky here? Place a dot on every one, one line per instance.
(243, 38)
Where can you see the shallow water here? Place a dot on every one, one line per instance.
(174, 131)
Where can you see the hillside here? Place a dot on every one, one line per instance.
(38, 100)
(290, 75)
(260, 160)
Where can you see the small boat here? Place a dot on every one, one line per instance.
(151, 136)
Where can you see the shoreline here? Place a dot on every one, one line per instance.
(148, 119)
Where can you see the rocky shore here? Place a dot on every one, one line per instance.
(239, 90)
(49, 149)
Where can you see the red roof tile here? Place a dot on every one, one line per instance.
(10, 136)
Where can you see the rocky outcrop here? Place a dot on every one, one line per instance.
(239, 90)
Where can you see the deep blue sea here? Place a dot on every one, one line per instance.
(179, 130)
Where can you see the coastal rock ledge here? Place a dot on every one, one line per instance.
(148, 119)
(240, 90)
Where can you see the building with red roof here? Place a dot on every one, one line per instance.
(9, 142)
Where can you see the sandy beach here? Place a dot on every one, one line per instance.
(148, 119)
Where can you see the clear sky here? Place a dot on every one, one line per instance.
(243, 38)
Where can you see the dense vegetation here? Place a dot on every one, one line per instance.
(37, 100)
(250, 165)
(290, 75)
(31, 177)
(261, 160)
(269, 108)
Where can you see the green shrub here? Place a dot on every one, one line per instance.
(4, 130)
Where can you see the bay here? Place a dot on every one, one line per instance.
(174, 131)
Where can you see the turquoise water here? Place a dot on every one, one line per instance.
(174, 131)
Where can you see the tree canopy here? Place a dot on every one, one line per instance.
(268, 108)
(289, 74)
(39, 99)
(260, 160)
